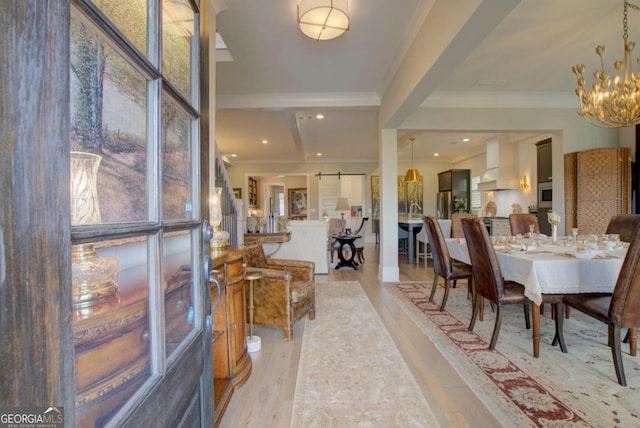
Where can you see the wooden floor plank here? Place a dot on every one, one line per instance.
(266, 399)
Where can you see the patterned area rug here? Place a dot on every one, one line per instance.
(574, 389)
(350, 373)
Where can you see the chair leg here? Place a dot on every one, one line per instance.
(527, 317)
(446, 294)
(433, 289)
(633, 341)
(614, 339)
(455, 283)
(474, 313)
(559, 321)
(496, 327)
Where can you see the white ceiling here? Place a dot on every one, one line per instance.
(516, 53)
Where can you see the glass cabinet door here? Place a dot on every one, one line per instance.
(135, 206)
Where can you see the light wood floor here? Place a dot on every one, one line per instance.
(266, 399)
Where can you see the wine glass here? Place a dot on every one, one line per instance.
(574, 233)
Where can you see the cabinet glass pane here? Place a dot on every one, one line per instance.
(176, 161)
(112, 338)
(109, 119)
(130, 16)
(177, 37)
(179, 310)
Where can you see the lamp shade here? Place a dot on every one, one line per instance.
(343, 205)
(412, 176)
(323, 19)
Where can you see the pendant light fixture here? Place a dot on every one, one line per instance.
(323, 19)
(614, 99)
(412, 175)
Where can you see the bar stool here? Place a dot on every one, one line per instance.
(254, 343)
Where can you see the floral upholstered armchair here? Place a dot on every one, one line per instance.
(284, 294)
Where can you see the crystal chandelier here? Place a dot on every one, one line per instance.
(614, 100)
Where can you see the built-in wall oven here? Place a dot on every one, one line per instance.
(545, 195)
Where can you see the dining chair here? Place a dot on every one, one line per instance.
(422, 246)
(456, 226)
(624, 225)
(519, 223)
(336, 226)
(443, 265)
(488, 281)
(618, 310)
(359, 242)
(403, 241)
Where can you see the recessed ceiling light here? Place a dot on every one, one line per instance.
(466, 140)
(233, 155)
(265, 141)
(318, 154)
(319, 116)
(436, 154)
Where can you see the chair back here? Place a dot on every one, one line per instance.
(422, 236)
(439, 250)
(362, 226)
(520, 223)
(624, 225)
(624, 310)
(254, 256)
(456, 226)
(487, 276)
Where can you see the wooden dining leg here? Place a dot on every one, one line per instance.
(535, 320)
(633, 341)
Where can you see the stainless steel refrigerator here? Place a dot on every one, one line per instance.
(444, 205)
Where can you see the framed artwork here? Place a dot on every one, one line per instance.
(237, 192)
(356, 210)
(298, 202)
(375, 196)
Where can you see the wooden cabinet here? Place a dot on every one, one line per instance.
(458, 182)
(545, 165)
(253, 192)
(231, 361)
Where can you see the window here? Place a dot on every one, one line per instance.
(475, 193)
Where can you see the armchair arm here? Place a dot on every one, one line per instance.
(277, 274)
(301, 270)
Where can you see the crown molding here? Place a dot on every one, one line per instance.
(485, 99)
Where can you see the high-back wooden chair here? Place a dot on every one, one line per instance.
(488, 281)
(443, 265)
(520, 223)
(618, 310)
(624, 225)
(456, 225)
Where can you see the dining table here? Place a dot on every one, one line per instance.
(548, 271)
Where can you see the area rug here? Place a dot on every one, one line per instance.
(574, 389)
(350, 373)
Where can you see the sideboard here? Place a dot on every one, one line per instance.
(231, 361)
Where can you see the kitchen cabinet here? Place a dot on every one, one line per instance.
(454, 192)
(231, 361)
(545, 165)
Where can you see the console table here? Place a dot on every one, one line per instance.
(347, 240)
(268, 238)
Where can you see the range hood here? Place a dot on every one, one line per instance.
(500, 173)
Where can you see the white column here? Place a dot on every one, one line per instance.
(388, 269)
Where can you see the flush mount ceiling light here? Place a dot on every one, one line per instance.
(323, 19)
(614, 100)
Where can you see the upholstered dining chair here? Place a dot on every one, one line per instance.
(456, 225)
(624, 225)
(618, 310)
(488, 281)
(422, 246)
(336, 226)
(443, 266)
(520, 223)
(359, 242)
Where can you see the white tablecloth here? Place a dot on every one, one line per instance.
(546, 271)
